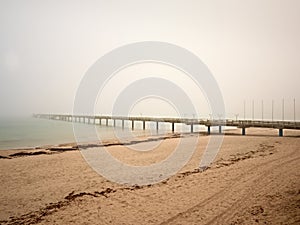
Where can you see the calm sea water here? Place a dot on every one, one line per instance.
(30, 132)
(33, 132)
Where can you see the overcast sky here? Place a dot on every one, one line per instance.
(252, 47)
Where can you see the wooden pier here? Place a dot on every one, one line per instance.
(243, 124)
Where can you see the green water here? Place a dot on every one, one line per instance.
(32, 132)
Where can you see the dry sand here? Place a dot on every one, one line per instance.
(255, 179)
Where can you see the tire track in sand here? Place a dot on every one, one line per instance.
(236, 186)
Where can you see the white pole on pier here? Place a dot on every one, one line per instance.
(262, 109)
(244, 110)
(283, 109)
(294, 110)
(252, 110)
(272, 110)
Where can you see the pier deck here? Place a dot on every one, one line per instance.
(243, 124)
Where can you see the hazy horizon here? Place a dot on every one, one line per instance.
(251, 47)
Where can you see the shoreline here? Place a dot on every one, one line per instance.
(72, 146)
(64, 147)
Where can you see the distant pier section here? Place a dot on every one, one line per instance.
(243, 124)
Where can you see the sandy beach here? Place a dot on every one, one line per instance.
(255, 179)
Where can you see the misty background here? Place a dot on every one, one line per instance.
(251, 47)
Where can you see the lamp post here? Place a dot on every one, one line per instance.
(252, 110)
(272, 110)
(262, 110)
(220, 117)
(294, 110)
(283, 109)
(236, 117)
(244, 110)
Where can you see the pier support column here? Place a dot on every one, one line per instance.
(99, 121)
(280, 132)
(106, 122)
(220, 129)
(208, 130)
(114, 123)
(157, 126)
(144, 124)
(243, 130)
(132, 124)
(173, 127)
(192, 128)
(123, 124)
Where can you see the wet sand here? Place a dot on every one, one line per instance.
(255, 179)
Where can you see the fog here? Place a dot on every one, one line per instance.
(252, 48)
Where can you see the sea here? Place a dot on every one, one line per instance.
(30, 132)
